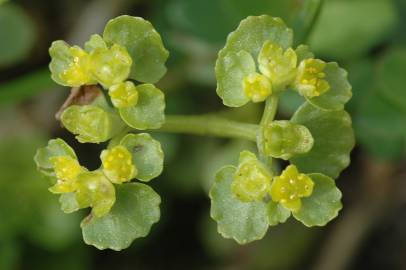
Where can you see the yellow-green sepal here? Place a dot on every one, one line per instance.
(61, 58)
(147, 155)
(340, 91)
(284, 139)
(135, 211)
(149, 112)
(91, 123)
(55, 148)
(324, 203)
(95, 41)
(242, 221)
(333, 140)
(68, 202)
(231, 71)
(143, 43)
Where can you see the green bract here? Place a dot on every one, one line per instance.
(242, 221)
(333, 140)
(135, 211)
(147, 155)
(144, 45)
(148, 113)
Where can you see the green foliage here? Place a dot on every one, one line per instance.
(148, 113)
(133, 214)
(226, 210)
(324, 203)
(333, 140)
(144, 45)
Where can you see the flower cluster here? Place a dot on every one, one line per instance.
(257, 64)
(112, 77)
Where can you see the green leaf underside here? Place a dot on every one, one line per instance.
(333, 140)
(340, 89)
(324, 203)
(230, 72)
(143, 43)
(135, 211)
(244, 222)
(147, 153)
(277, 213)
(55, 147)
(148, 113)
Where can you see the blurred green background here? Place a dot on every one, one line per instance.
(367, 37)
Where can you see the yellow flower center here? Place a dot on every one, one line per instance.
(78, 72)
(123, 95)
(257, 87)
(118, 165)
(290, 187)
(66, 170)
(311, 78)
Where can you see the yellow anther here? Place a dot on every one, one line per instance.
(290, 187)
(118, 165)
(310, 80)
(257, 87)
(66, 171)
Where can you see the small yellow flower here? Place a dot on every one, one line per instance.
(290, 187)
(110, 66)
(278, 65)
(310, 80)
(252, 181)
(78, 72)
(123, 95)
(66, 170)
(118, 164)
(257, 87)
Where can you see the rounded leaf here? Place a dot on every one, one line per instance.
(148, 113)
(230, 73)
(333, 140)
(254, 31)
(277, 213)
(243, 221)
(143, 43)
(324, 203)
(340, 89)
(55, 148)
(135, 211)
(147, 154)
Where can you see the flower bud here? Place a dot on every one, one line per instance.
(257, 87)
(283, 139)
(118, 164)
(110, 66)
(310, 80)
(123, 95)
(278, 65)
(91, 123)
(252, 179)
(290, 187)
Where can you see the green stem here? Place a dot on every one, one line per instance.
(271, 105)
(209, 125)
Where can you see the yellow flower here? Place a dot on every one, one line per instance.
(118, 164)
(278, 65)
(78, 72)
(290, 187)
(310, 80)
(257, 87)
(123, 95)
(66, 170)
(252, 180)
